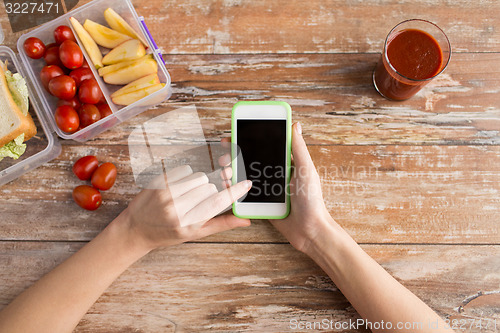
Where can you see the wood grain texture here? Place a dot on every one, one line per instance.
(334, 94)
(334, 98)
(416, 182)
(256, 288)
(402, 194)
(316, 26)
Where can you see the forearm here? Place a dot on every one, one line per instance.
(58, 301)
(373, 292)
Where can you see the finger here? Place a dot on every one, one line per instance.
(178, 173)
(226, 173)
(215, 204)
(188, 183)
(190, 199)
(300, 153)
(226, 183)
(225, 160)
(170, 176)
(222, 223)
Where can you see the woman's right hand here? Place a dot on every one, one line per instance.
(308, 213)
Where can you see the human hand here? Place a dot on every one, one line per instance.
(308, 214)
(181, 206)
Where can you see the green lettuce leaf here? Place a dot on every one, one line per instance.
(19, 90)
(13, 149)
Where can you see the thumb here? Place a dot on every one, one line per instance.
(301, 157)
(222, 223)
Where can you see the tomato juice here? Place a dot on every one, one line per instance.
(411, 58)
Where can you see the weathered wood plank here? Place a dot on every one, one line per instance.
(250, 287)
(333, 96)
(280, 26)
(381, 192)
(422, 194)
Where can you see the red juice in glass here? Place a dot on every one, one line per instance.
(415, 52)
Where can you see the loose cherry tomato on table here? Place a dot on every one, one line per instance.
(63, 87)
(34, 48)
(85, 167)
(51, 56)
(87, 197)
(89, 114)
(104, 177)
(48, 73)
(104, 110)
(73, 102)
(81, 74)
(89, 92)
(70, 54)
(62, 33)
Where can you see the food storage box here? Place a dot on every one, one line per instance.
(45, 146)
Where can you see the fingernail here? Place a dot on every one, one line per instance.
(248, 184)
(299, 128)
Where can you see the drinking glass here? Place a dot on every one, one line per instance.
(388, 80)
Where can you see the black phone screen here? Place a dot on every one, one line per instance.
(262, 144)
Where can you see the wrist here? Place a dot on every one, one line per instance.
(122, 230)
(329, 234)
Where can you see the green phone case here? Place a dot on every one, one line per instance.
(288, 157)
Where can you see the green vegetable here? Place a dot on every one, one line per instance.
(13, 149)
(19, 90)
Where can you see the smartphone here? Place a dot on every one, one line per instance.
(261, 152)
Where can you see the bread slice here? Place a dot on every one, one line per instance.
(12, 121)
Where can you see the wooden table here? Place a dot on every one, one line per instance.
(416, 183)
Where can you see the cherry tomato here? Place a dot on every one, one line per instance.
(85, 167)
(34, 48)
(104, 110)
(104, 177)
(81, 74)
(87, 197)
(73, 102)
(51, 56)
(70, 54)
(48, 46)
(62, 87)
(67, 119)
(103, 100)
(62, 33)
(48, 73)
(85, 64)
(89, 114)
(89, 92)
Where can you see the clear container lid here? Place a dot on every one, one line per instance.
(2, 36)
(45, 145)
(40, 149)
(94, 11)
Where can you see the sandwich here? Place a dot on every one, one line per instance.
(16, 124)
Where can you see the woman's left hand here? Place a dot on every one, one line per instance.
(181, 206)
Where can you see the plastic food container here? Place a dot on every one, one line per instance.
(45, 146)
